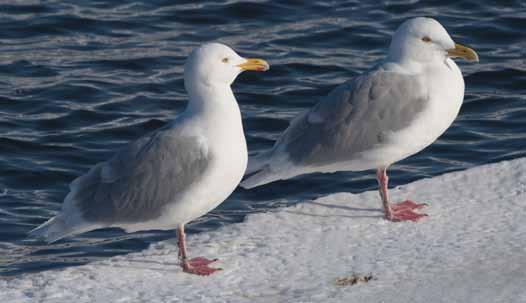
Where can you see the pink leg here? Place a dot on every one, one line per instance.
(396, 211)
(197, 266)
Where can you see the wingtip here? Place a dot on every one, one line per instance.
(40, 231)
(50, 231)
(259, 178)
(245, 185)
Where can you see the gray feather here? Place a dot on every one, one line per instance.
(52, 230)
(138, 182)
(353, 118)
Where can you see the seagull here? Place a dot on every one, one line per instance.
(377, 118)
(175, 174)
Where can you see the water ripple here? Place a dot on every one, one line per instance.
(79, 79)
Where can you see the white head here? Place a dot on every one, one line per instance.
(217, 64)
(425, 40)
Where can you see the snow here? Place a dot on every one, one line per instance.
(472, 248)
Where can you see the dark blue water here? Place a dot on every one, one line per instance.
(79, 79)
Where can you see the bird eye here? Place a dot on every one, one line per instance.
(426, 39)
(225, 60)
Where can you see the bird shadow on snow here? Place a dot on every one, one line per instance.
(25, 254)
(339, 207)
(148, 265)
(174, 266)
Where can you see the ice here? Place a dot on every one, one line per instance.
(471, 248)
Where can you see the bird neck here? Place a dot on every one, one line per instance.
(207, 96)
(413, 61)
(406, 64)
(203, 94)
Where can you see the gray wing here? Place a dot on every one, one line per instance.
(136, 184)
(353, 118)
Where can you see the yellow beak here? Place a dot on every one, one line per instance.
(463, 52)
(255, 64)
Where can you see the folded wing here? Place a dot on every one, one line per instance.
(353, 118)
(138, 182)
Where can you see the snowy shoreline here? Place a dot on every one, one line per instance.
(471, 248)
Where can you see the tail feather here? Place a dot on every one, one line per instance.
(261, 177)
(258, 162)
(52, 230)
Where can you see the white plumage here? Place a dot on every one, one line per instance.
(175, 174)
(378, 118)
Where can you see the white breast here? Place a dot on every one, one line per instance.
(446, 93)
(223, 131)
